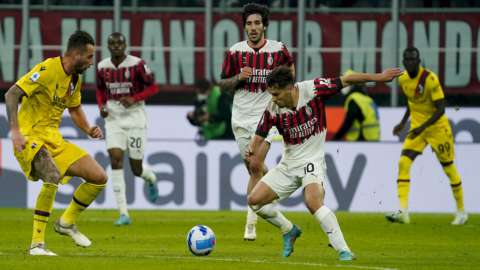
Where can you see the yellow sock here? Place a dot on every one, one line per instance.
(403, 181)
(456, 184)
(43, 208)
(82, 198)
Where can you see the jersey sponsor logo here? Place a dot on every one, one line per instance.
(34, 77)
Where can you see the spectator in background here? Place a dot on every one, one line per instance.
(213, 111)
(361, 121)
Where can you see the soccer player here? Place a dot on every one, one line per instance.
(298, 112)
(245, 68)
(124, 82)
(45, 92)
(429, 125)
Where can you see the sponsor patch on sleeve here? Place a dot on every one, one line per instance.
(34, 77)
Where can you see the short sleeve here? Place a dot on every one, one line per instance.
(266, 123)
(326, 87)
(437, 91)
(288, 59)
(35, 79)
(228, 66)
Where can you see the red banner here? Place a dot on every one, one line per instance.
(173, 44)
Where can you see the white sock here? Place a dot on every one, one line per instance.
(251, 216)
(148, 175)
(271, 214)
(118, 184)
(330, 226)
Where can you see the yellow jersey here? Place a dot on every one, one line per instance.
(421, 98)
(50, 90)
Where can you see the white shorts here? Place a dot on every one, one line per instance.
(284, 182)
(131, 139)
(244, 136)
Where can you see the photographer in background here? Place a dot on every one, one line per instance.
(212, 112)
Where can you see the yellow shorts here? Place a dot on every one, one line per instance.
(63, 153)
(440, 139)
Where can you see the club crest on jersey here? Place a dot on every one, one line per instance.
(34, 77)
(270, 59)
(308, 110)
(71, 88)
(127, 74)
(420, 90)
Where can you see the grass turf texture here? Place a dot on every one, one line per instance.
(156, 240)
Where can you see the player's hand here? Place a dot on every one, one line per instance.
(245, 73)
(95, 132)
(415, 132)
(127, 101)
(390, 74)
(104, 112)
(18, 140)
(397, 129)
(248, 154)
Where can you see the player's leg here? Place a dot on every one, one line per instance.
(275, 185)
(95, 180)
(256, 172)
(116, 140)
(118, 183)
(444, 149)
(411, 149)
(136, 149)
(314, 195)
(43, 167)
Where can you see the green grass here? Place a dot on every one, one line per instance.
(156, 240)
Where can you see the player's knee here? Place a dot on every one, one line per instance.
(253, 199)
(98, 177)
(52, 177)
(116, 163)
(137, 171)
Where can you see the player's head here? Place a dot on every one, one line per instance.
(202, 86)
(255, 21)
(280, 84)
(117, 44)
(81, 48)
(411, 59)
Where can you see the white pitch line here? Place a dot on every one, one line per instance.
(247, 261)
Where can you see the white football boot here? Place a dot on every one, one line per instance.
(460, 218)
(71, 230)
(40, 250)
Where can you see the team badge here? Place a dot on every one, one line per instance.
(308, 110)
(34, 77)
(127, 74)
(270, 59)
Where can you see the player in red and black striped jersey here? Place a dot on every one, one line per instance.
(124, 82)
(244, 70)
(298, 112)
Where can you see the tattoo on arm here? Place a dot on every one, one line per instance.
(229, 84)
(12, 98)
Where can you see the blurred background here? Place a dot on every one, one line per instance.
(183, 41)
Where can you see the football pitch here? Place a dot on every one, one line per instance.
(156, 240)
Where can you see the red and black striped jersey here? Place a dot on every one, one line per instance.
(303, 128)
(250, 97)
(131, 78)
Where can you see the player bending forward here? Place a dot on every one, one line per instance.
(298, 112)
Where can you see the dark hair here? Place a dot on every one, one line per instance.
(79, 40)
(202, 85)
(117, 34)
(280, 77)
(253, 8)
(412, 49)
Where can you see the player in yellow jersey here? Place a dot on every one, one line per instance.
(45, 92)
(429, 125)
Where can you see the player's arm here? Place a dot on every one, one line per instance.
(439, 111)
(355, 78)
(399, 127)
(80, 120)
(101, 94)
(12, 98)
(230, 79)
(353, 112)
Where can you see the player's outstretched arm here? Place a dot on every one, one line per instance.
(80, 120)
(386, 76)
(12, 99)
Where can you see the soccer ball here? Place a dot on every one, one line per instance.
(201, 240)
